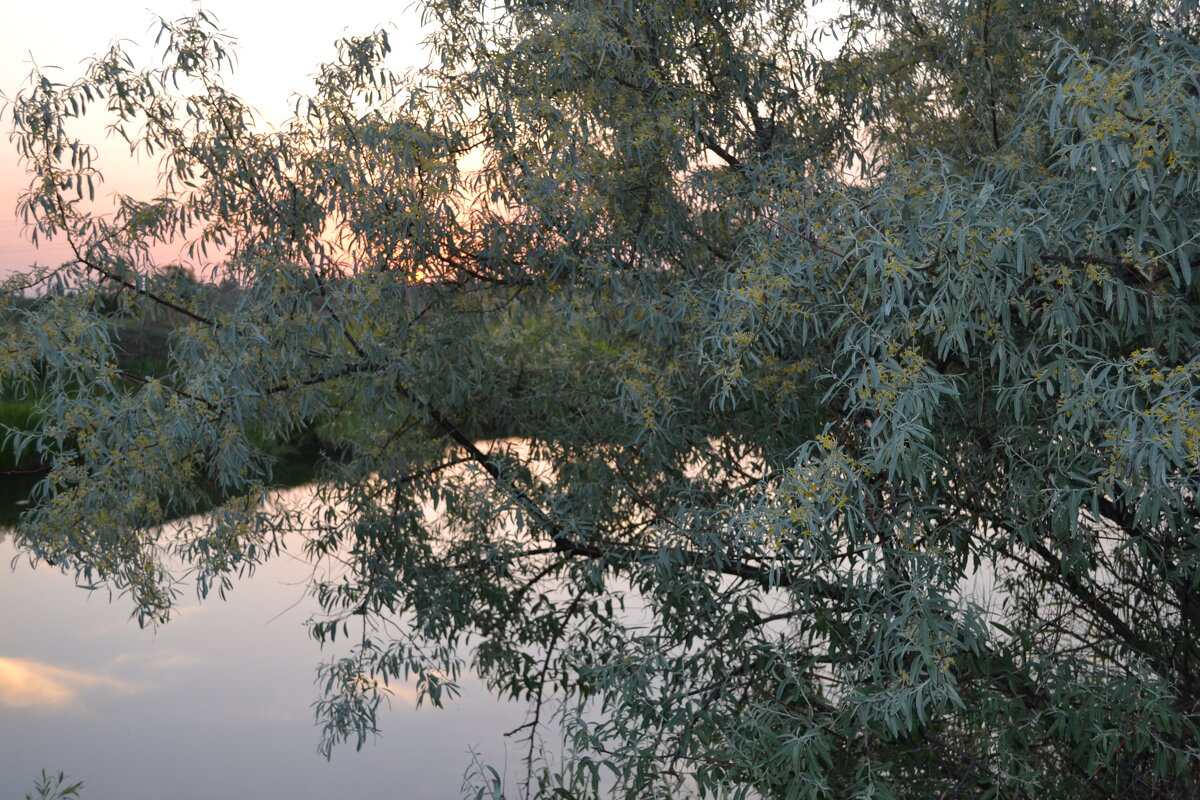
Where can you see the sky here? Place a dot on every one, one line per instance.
(277, 55)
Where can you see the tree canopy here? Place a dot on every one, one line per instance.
(787, 408)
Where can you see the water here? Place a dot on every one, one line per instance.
(216, 704)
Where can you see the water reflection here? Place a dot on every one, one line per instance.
(14, 498)
(25, 683)
(214, 704)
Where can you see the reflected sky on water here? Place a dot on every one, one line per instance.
(216, 704)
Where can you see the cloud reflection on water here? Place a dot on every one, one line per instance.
(33, 684)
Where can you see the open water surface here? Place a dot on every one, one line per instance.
(215, 704)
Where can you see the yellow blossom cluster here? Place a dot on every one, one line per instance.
(1126, 109)
(648, 389)
(887, 380)
(782, 377)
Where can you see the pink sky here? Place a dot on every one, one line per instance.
(277, 53)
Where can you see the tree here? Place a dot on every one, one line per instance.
(735, 365)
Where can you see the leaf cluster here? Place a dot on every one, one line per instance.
(777, 420)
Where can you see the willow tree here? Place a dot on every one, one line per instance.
(783, 409)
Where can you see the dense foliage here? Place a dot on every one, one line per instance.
(782, 412)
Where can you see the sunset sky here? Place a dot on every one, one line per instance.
(277, 54)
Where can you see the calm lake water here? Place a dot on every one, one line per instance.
(215, 704)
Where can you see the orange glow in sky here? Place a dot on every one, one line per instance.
(277, 53)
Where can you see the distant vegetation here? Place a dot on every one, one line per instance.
(142, 342)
